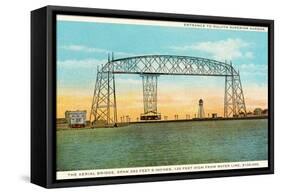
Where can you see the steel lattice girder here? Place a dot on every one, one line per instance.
(149, 93)
(169, 65)
(104, 99)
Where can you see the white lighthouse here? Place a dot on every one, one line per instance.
(201, 113)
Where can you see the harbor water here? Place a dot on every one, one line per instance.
(163, 143)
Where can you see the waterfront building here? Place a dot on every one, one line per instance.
(258, 111)
(76, 119)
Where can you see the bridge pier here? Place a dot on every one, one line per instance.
(103, 109)
(234, 102)
(149, 82)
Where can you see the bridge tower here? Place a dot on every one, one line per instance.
(149, 82)
(234, 102)
(103, 109)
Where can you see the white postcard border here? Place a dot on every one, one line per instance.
(78, 174)
(160, 23)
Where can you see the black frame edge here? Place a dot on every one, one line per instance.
(271, 94)
(51, 98)
(163, 15)
(38, 97)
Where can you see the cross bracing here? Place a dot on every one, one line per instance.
(104, 107)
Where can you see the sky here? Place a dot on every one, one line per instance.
(82, 46)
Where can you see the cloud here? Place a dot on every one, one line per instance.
(249, 55)
(83, 48)
(228, 49)
(253, 69)
(85, 63)
(86, 49)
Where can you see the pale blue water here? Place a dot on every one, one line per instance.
(157, 144)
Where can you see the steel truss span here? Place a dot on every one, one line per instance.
(104, 109)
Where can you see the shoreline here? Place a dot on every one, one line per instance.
(168, 121)
(204, 119)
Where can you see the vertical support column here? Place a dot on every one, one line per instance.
(228, 97)
(104, 109)
(150, 97)
(233, 90)
(114, 102)
(225, 98)
(240, 104)
(234, 102)
(108, 99)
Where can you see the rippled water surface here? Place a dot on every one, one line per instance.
(155, 144)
